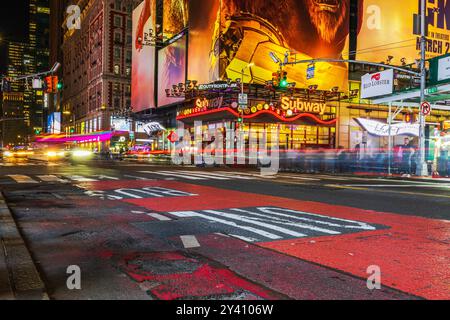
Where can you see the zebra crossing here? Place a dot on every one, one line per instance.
(265, 224)
(183, 175)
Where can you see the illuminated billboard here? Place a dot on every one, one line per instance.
(202, 19)
(143, 58)
(175, 17)
(247, 32)
(54, 122)
(171, 70)
(388, 31)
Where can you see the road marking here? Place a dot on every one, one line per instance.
(246, 239)
(388, 191)
(103, 177)
(159, 217)
(190, 242)
(258, 223)
(298, 178)
(51, 178)
(228, 174)
(205, 175)
(184, 214)
(294, 224)
(399, 186)
(135, 177)
(81, 179)
(21, 178)
(169, 173)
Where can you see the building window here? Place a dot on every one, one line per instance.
(117, 5)
(128, 71)
(116, 69)
(117, 37)
(117, 53)
(117, 21)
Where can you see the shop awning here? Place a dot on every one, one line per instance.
(262, 116)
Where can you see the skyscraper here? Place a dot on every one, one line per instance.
(37, 55)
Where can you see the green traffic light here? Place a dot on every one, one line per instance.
(59, 86)
(284, 83)
(239, 119)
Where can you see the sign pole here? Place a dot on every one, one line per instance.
(390, 140)
(422, 168)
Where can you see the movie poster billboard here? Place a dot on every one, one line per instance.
(202, 21)
(143, 57)
(171, 70)
(247, 31)
(388, 30)
(175, 17)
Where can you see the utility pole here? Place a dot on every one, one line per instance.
(421, 165)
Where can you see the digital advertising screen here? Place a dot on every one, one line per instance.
(171, 70)
(202, 23)
(388, 30)
(175, 17)
(247, 31)
(143, 57)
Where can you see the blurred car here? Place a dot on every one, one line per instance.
(56, 155)
(17, 153)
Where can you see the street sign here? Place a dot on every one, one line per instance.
(425, 108)
(243, 99)
(310, 71)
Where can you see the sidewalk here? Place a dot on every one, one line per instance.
(19, 278)
(402, 177)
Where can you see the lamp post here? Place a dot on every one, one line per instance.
(421, 165)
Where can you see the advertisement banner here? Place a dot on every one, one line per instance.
(175, 17)
(143, 57)
(202, 20)
(250, 30)
(381, 129)
(377, 84)
(387, 32)
(171, 70)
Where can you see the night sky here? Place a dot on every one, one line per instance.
(13, 25)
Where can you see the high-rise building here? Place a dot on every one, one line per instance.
(13, 132)
(37, 58)
(97, 65)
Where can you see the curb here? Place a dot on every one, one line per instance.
(19, 278)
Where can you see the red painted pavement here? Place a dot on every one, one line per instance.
(413, 254)
(206, 280)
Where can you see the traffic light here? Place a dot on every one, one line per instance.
(60, 85)
(55, 84)
(48, 85)
(284, 82)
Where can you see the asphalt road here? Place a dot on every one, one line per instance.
(162, 232)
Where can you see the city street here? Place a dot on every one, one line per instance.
(139, 231)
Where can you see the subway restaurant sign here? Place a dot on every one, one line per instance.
(301, 106)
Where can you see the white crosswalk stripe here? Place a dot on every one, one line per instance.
(259, 224)
(174, 174)
(51, 178)
(21, 178)
(200, 175)
(81, 179)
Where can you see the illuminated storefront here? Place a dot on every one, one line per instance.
(300, 123)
